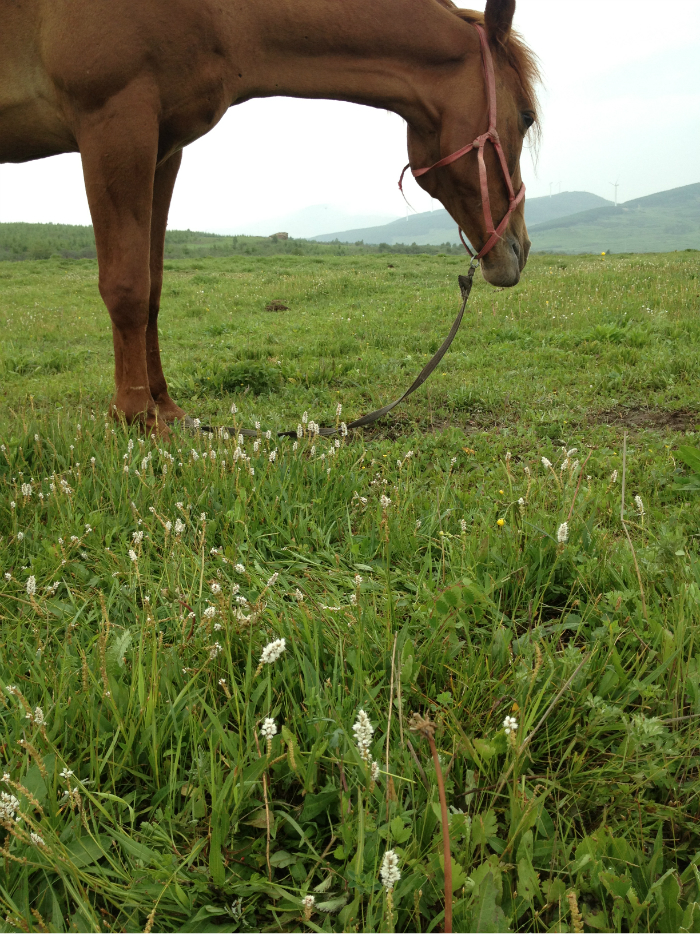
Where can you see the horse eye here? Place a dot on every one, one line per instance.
(528, 119)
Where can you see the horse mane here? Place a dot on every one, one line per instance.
(518, 55)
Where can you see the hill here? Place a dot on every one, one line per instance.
(44, 241)
(438, 227)
(571, 222)
(667, 220)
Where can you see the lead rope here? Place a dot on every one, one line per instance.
(465, 286)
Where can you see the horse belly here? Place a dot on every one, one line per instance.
(31, 122)
(32, 130)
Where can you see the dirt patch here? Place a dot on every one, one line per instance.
(655, 419)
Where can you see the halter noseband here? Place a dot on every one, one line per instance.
(494, 233)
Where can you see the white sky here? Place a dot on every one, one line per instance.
(621, 103)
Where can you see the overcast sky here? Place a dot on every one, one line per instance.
(621, 103)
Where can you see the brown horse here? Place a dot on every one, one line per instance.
(129, 84)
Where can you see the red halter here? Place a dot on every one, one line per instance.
(478, 144)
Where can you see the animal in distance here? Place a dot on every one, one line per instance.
(128, 85)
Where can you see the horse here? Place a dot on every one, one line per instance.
(128, 85)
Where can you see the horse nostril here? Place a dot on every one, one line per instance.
(515, 246)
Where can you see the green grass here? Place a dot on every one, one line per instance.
(176, 817)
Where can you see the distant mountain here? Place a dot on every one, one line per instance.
(309, 221)
(667, 220)
(570, 222)
(437, 227)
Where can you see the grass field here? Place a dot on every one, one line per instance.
(461, 561)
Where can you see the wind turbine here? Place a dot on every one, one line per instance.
(615, 185)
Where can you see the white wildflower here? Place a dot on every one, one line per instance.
(215, 650)
(374, 771)
(546, 463)
(137, 537)
(510, 725)
(9, 805)
(298, 595)
(389, 870)
(36, 839)
(640, 505)
(272, 651)
(385, 502)
(273, 579)
(307, 903)
(563, 533)
(26, 490)
(39, 716)
(239, 568)
(363, 730)
(463, 525)
(20, 536)
(179, 526)
(613, 477)
(31, 586)
(215, 588)
(269, 728)
(210, 612)
(132, 554)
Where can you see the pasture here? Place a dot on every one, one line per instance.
(465, 560)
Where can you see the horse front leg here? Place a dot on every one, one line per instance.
(118, 146)
(164, 182)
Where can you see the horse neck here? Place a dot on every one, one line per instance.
(387, 54)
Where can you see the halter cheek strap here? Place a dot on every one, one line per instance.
(494, 233)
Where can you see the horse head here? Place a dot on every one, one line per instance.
(457, 160)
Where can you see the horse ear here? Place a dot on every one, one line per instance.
(498, 18)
